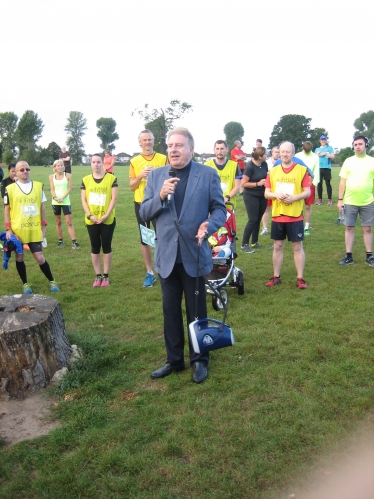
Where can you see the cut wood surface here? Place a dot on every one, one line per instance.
(33, 343)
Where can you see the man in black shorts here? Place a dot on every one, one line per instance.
(24, 215)
(287, 185)
(65, 156)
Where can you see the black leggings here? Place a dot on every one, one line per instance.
(255, 207)
(101, 236)
(325, 175)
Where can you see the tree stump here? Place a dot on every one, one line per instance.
(33, 343)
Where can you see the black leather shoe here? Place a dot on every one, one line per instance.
(166, 370)
(200, 372)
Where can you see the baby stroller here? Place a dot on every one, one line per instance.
(224, 273)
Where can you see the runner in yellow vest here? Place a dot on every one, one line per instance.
(24, 215)
(228, 171)
(99, 197)
(287, 184)
(140, 167)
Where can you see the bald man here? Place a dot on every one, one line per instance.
(287, 185)
(24, 214)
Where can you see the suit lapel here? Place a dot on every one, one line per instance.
(193, 180)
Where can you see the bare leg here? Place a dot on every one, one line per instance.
(278, 256)
(96, 263)
(265, 218)
(70, 225)
(308, 213)
(368, 238)
(58, 226)
(146, 253)
(349, 238)
(107, 262)
(299, 257)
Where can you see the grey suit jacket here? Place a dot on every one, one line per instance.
(203, 202)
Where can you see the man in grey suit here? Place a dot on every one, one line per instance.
(193, 200)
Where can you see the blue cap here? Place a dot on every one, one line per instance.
(323, 137)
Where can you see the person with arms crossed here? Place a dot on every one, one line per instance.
(65, 156)
(140, 167)
(24, 214)
(228, 171)
(10, 179)
(356, 193)
(325, 154)
(287, 185)
(109, 161)
(192, 201)
(311, 160)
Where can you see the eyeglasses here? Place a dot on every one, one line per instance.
(23, 170)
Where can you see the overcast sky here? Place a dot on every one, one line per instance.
(245, 61)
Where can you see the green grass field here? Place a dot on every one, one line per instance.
(297, 383)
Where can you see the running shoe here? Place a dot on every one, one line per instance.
(347, 260)
(75, 246)
(273, 282)
(26, 289)
(105, 282)
(149, 280)
(256, 245)
(329, 202)
(97, 282)
(319, 202)
(264, 232)
(60, 244)
(53, 286)
(306, 232)
(300, 283)
(370, 261)
(247, 249)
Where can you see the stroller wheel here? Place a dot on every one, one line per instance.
(219, 304)
(241, 283)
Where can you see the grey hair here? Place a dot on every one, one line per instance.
(146, 131)
(182, 131)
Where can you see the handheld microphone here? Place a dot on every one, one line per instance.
(172, 174)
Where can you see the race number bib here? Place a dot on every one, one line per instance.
(30, 210)
(148, 236)
(285, 188)
(96, 199)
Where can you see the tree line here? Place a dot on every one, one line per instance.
(19, 137)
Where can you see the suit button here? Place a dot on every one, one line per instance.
(176, 240)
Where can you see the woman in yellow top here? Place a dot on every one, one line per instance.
(99, 196)
(61, 185)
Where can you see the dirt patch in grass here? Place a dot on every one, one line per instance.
(26, 419)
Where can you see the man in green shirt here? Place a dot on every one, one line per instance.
(356, 194)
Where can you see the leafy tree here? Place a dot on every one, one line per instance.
(233, 131)
(29, 131)
(344, 153)
(155, 126)
(75, 128)
(163, 119)
(315, 134)
(365, 126)
(8, 127)
(53, 151)
(292, 127)
(107, 133)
